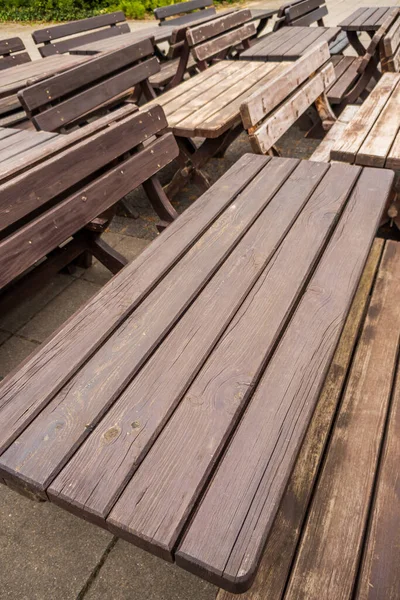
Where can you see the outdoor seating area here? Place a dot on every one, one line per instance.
(225, 394)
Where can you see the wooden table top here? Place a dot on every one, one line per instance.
(373, 135)
(289, 43)
(208, 104)
(366, 18)
(124, 415)
(17, 78)
(14, 142)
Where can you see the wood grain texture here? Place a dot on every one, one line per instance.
(331, 545)
(74, 343)
(163, 12)
(379, 569)
(358, 129)
(147, 511)
(239, 511)
(118, 360)
(232, 38)
(281, 546)
(218, 26)
(323, 150)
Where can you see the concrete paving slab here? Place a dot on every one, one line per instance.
(45, 553)
(13, 351)
(58, 310)
(132, 574)
(21, 314)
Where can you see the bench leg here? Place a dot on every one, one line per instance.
(325, 112)
(355, 43)
(159, 199)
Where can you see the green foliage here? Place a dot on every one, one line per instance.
(69, 10)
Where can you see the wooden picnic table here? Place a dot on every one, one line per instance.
(14, 142)
(155, 391)
(367, 18)
(162, 34)
(288, 43)
(16, 78)
(372, 137)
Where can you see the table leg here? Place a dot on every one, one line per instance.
(261, 26)
(355, 42)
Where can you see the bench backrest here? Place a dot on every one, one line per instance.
(301, 13)
(72, 97)
(45, 205)
(12, 53)
(217, 37)
(202, 8)
(100, 28)
(272, 109)
(390, 44)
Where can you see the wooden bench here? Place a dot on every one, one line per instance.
(390, 47)
(110, 419)
(189, 11)
(230, 96)
(355, 74)
(195, 48)
(305, 13)
(100, 28)
(337, 528)
(57, 188)
(12, 53)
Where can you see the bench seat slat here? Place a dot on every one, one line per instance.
(88, 38)
(148, 511)
(338, 518)
(279, 413)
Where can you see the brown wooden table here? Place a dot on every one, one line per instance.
(155, 391)
(372, 137)
(14, 142)
(289, 43)
(367, 18)
(19, 77)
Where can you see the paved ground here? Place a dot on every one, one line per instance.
(46, 553)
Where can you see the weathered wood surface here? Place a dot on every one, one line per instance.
(274, 570)
(323, 150)
(12, 53)
(373, 136)
(17, 78)
(289, 43)
(366, 19)
(332, 542)
(108, 421)
(100, 27)
(159, 34)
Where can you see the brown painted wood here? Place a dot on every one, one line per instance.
(220, 392)
(154, 318)
(218, 26)
(73, 344)
(208, 315)
(297, 371)
(379, 569)
(32, 190)
(365, 19)
(208, 50)
(181, 7)
(99, 36)
(338, 516)
(282, 543)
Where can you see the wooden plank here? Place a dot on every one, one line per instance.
(323, 151)
(163, 12)
(202, 15)
(88, 38)
(28, 192)
(8, 62)
(73, 27)
(24, 140)
(393, 159)
(376, 146)
(312, 17)
(356, 132)
(268, 44)
(298, 9)
(275, 125)
(219, 394)
(195, 112)
(68, 111)
(241, 503)
(391, 40)
(345, 81)
(82, 75)
(9, 45)
(196, 35)
(209, 49)
(73, 343)
(357, 14)
(18, 164)
(41, 235)
(299, 34)
(379, 569)
(172, 373)
(263, 101)
(139, 337)
(281, 546)
(334, 533)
